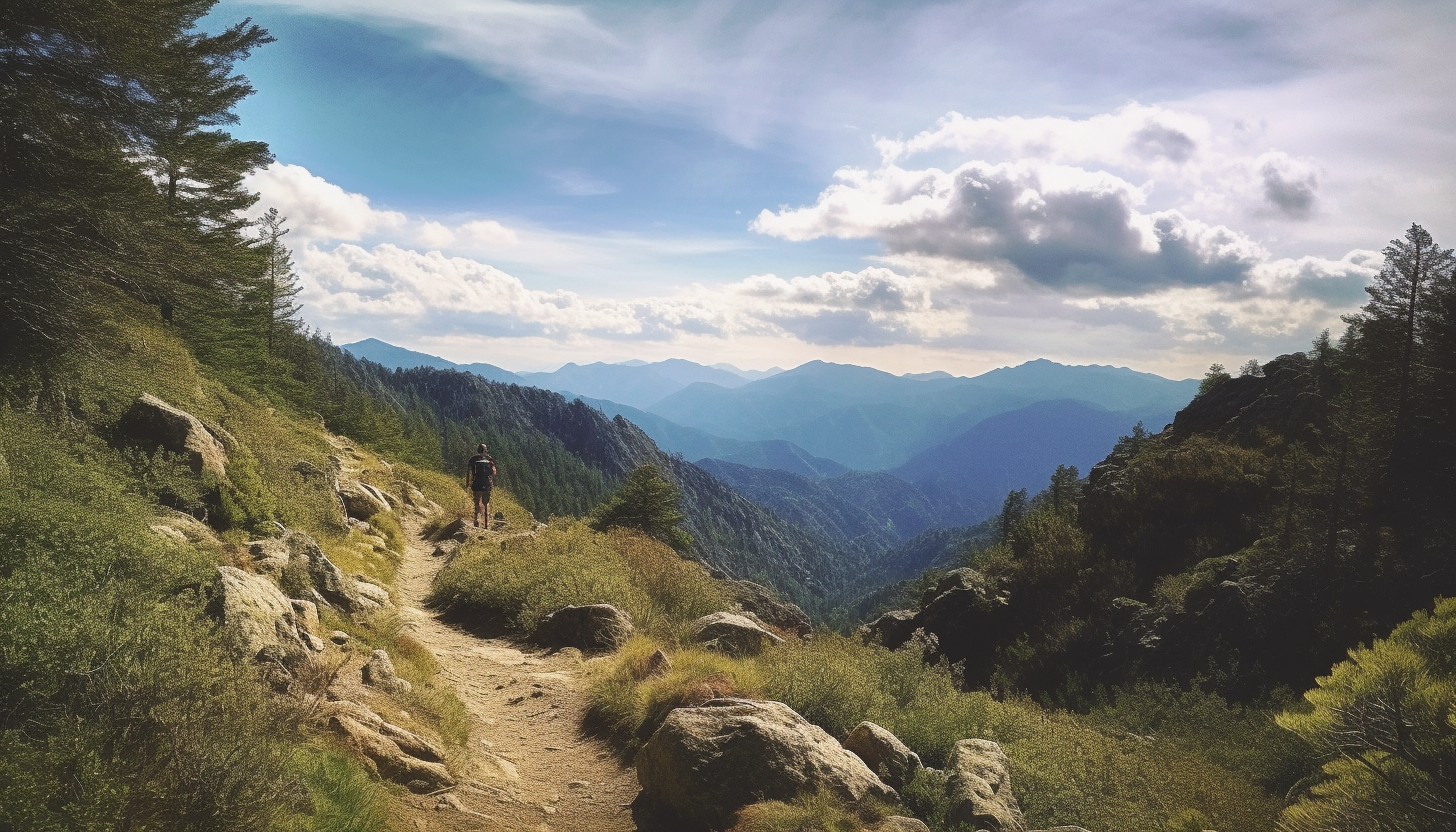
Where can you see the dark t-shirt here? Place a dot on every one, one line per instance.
(482, 472)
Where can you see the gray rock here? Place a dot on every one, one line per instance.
(590, 628)
(253, 614)
(152, 423)
(361, 501)
(900, 823)
(979, 788)
(392, 752)
(446, 549)
(883, 752)
(306, 614)
(327, 579)
(379, 672)
(708, 762)
(773, 610)
(731, 634)
(962, 578)
(339, 637)
(371, 594)
(269, 556)
(892, 629)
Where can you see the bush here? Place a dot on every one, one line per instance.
(627, 705)
(1386, 720)
(116, 707)
(818, 812)
(521, 579)
(648, 503)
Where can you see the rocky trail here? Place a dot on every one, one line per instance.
(529, 766)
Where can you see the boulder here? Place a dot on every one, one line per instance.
(379, 672)
(269, 556)
(979, 788)
(731, 634)
(446, 549)
(964, 615)
(361, 501)
(657, 664)
(708, 762)
(883, 752)
(371, 596)
(900, 823)
(154, 424)
(327, 579)
(392, 752)
(958, 579)
(892, 629)
(776, 612)
(590, 628)
(253, 614)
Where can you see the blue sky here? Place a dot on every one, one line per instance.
(952, 185)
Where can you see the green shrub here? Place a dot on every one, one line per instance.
(116, 706)
(1386, 721)
(648, 503)
(628, 705)
(344, 798)
(817, 812)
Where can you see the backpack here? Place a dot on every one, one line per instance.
(482, 472)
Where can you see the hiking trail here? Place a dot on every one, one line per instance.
(529, 766)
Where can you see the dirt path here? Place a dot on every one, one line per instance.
(529, 766)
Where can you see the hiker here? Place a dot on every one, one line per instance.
(480, 476)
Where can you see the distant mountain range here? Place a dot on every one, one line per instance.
(633, 383)
(801, 442)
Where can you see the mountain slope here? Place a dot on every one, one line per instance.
(696, 444)
(400, 358)
(868, 420)
(1019, 449)
(547, 441)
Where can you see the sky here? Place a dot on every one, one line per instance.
(911, 186)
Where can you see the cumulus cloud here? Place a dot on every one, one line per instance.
(1290, 185)
(319, 209)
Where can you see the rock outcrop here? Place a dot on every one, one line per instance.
(900, 823)
(154, 424)
(774, 611)
(979, 788)
(254, 615)
(589, 628)
(883, 752)
(735, 635)
(892, 629)
(391, 751)
(361, 501)
(708, 762)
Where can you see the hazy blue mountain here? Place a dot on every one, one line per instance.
(696, 444)
(394, 357)
(875, 511)
(751, 375)
(1021, 448)
(867, 419)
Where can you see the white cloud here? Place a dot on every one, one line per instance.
(316, 208)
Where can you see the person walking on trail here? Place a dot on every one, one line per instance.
(480, 477)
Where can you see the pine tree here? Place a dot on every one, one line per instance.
(1013, 508)
(1215, 376)
(279, 284)
(647, 502)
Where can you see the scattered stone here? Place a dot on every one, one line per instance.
(379, 672)
(590, 628)
(708, 762)
(883, 752)
(314, 643)
(339, 637)
(269, 556)
(446, 549)
(500, 767)
(253, 614)
(154, 424)
(450, 802)
(979, 788)
(732, 634)
(457, 530)
(577, 784)
(516, 700)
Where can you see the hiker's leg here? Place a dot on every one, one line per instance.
(479, 500)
